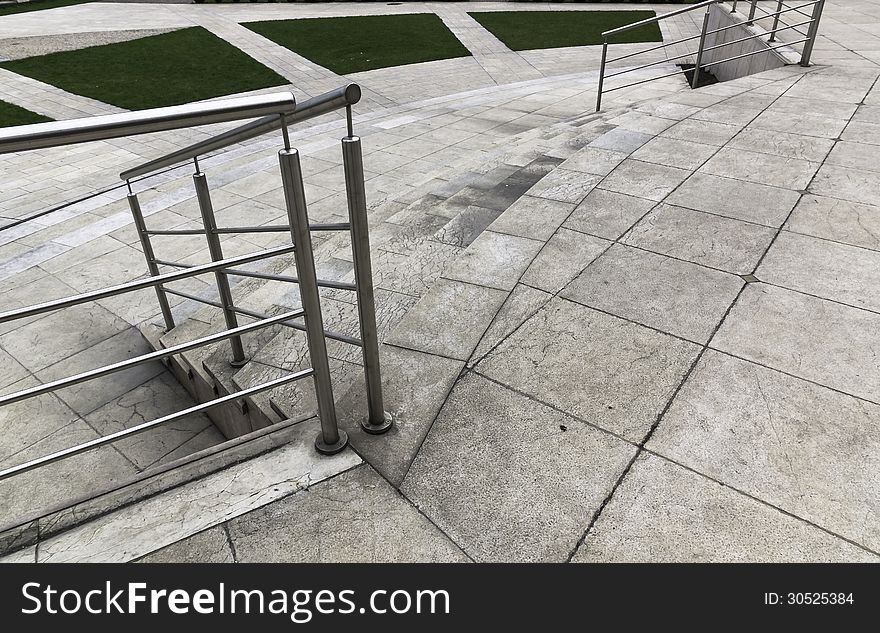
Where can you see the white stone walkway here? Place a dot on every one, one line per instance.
(632, 211)
(48, 100)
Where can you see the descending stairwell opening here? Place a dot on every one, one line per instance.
(706, 78)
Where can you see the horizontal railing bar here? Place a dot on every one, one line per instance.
(752, 37)
(146, 426)
(192, 297)
(695, 37)
(768, 14)
(268, 228)
(643, 81)
(653, 48)
(770, 48)
(330, 226)
(323, 283)
(340, 97)
(163, 262)
(97, 128)
(336, 336)
(145, 358)
(658, 18)
(784, 23)
(643, 66)
(175, 232)
(140, 284)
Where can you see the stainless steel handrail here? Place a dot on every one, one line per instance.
(751, 37)
(139, 284)
(344, 96)
(749, 54)
(674, 43)
(808, 41)
(277, 112)
(146, 426)
(658, 18)
(145, 358)
(57, 133)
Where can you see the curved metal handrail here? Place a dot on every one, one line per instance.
(98, 128)
(344, 96)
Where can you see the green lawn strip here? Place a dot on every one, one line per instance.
(354, 44)
(161, 70)
(11, 114)
(527, 30)
(37, 5)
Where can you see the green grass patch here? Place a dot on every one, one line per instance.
(11, 114)
(354, 44)
(161, 70)
(38, 5)
(526, 30)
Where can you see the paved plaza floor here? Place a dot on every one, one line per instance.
(647, 334)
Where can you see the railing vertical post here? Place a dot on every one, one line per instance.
(779, 6)
(150, 256)
(752, 9)
(733, 8)
(377, 421)
(812, 33)
(752, 12)
(331, 439)
(602, 74)
(695, 81)
(203, 195)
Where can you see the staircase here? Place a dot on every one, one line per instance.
(414, 237)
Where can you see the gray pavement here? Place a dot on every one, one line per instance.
(640, 336)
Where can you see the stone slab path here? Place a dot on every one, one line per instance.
(661, 351)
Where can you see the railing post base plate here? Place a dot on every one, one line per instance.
(377, 429)
(239, 363)
(331, 449)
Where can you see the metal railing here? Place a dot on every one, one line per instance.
(808, 40)
(278, 111)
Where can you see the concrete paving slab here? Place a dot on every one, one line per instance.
(848, 274)
(663, 293)
(837, 220)
(134, 531)
(644, 180)
(60, 335)
(674, 152)
(449, 320)
(414, 387)
(531, 217)
(210, 546)
(494, 260)
(665, 513)
(736, 199)
(781, 144)
(856, 185)
(607, 214)
(808, 337)
(596, 367)
(153, 399)
(562, 259)
(355, 517)
(788, 173)
(702, 238)
(801, 447)
(521, 459)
